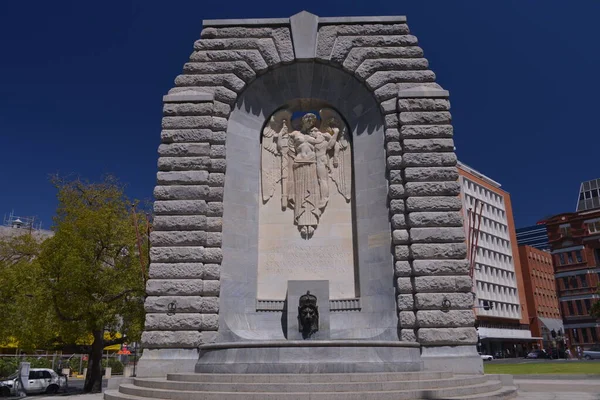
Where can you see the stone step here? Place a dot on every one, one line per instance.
(505, 393)
(309, 378)
(436, 393)
(286, 387)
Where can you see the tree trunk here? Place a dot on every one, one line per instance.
(93, 379)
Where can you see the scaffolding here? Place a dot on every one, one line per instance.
(18, 222)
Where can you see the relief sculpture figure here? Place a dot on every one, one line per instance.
(302, 161)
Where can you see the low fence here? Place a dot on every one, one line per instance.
(76, 364)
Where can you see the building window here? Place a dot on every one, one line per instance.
(570, 257)
(583, 280)
(588, 305)
(566, 283)
(574, 282)
(585, 335)
(597, 256)
(594, 226)
(561, 258)
(575, 336)
(594, 335)
(578, 256)
(565, 230)
(570, 307)
(579, 307)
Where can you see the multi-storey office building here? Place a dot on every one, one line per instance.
(503, 322)
(534, 236)
(575, 242)
(542, 300)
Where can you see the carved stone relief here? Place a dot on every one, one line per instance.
(303, 162)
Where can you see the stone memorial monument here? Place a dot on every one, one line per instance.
(307, 221)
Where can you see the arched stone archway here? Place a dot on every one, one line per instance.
(409, 242)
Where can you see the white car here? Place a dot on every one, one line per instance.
(486, 357)
(41, 380)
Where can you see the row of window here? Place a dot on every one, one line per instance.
(498, 306)
(493, 255)
(583, 335)
(575, 282)
(542, 259)
(490, 272)
(483, 193)
(592, 227)
(570, 257)
(581, 306)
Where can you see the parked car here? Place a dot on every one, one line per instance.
(41, 380)
(557, 353)
(486, 357)
(592, 353)
(537, 354)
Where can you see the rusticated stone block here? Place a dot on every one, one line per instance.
(381, 78)
(425, 118)
(393, 149)
(435, 219)
(408, 335)
(216, 179)
(239, 68)
(215, 209)
(187, 122)
(213, 239)
(218, 165)
(184, 270)
(423, 104)
(396, 176)
(443, 284)
(447, 336)
(396, 191)
(221, 109)
(181, 192)
(437, 235)
(388, 106)
(431, 174)
(371, 66)
(400, 236)
(186, 254)
(215, 194)
(398, 221)
(182, 178)
(402, 269)
(179, 223)
(428, 145)
(407, 319)
(220, 93)
(391, 120)
(166, 339)
(184, 149)
(434, 301)
(214, 224)
(443, 251)
(397, 206)
(229, 81)
(252, 57)
(404, 285)
(217, 151)
(175, 287)
(177, 238)
(185, 304)
(179, 109)
(401, 252)
(437, 203)
(212, 288)
(392, 135)
(429, 159)
(426, 131)
(445, 319)
(192, 135)
(432, 189)
(183, 163)
(405, 302)
(441, 267)
(266, 46)
(180, 207)
(344, 44)
(386, 92)
(181, 322)
(358, 55)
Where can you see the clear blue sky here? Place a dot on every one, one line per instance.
(81, 85)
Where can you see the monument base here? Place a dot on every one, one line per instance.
(159, 362)
(309, 356)
(455, 359)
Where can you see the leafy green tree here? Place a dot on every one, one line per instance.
(93, 269)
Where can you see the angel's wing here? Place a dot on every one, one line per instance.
(340, 159)
(274, 133)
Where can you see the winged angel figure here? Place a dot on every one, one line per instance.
(302, 161)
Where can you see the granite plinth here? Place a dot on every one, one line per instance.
(309, 356)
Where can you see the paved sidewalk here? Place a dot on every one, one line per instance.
(558, 396)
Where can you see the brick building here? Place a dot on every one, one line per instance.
(541, 297)
(502, 317)
(575, 242)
